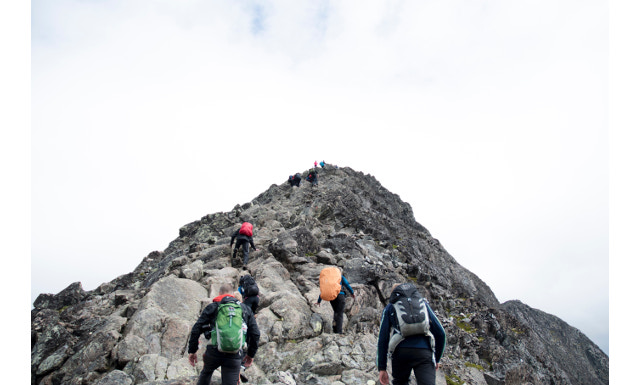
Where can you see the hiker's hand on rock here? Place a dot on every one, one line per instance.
(247, 361)
(193, 358)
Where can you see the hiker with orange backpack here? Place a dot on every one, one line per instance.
(333, 288)
(244, 236)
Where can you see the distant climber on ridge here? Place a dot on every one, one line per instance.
(322, 164)
(312, 177)
(333, 288)
(244, 237)
(294, 180)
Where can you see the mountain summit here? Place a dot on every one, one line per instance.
(134, 329)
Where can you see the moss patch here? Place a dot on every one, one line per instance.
(453, 380)
(464, 325)
(470, 365)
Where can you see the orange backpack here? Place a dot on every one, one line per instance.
(330, 283)
(246, 229)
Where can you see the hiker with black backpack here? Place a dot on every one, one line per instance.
(412, 336)
(333, 288)
(294, 180)
(244, 237)
(250, 291)
(312, 177)
(234, 337)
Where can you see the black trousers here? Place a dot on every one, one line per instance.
(404, 360)
(252, 302)
(229, 365)
(338, 310)
(245, 249)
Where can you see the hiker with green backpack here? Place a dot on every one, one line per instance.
(233, 340)
(411, 335)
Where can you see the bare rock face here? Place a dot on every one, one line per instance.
(134, 329)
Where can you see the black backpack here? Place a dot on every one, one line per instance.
(412, 315)
(249, 286)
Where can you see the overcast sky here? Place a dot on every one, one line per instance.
(488, 117)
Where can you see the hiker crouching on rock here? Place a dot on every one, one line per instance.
(227, 318)
(312, 178)
(423, 343)
(294, 180)
(244, 237)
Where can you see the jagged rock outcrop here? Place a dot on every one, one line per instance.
(134, 329)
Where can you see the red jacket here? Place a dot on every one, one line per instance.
(220, 297)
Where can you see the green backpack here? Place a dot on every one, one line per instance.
(229, 328)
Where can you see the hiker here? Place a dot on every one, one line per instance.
(411, 346)
(333, 288)
(244, 237)
(315, 164)
(322, 164)
(294, 180)
(250, 291)
(222, 350)
(312, 177)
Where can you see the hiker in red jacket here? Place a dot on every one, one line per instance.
(244, 237)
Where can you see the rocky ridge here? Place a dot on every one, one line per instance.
(134, 329)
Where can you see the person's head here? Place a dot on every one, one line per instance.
(225, 288)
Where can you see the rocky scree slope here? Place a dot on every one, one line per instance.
(134, 329)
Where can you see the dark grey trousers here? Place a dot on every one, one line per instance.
(245, 250)
(404, 360)
(338, 311)
(229, 365)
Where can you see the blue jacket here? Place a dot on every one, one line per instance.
(390, 320)
(344, 284)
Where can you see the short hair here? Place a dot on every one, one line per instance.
(225, 288)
